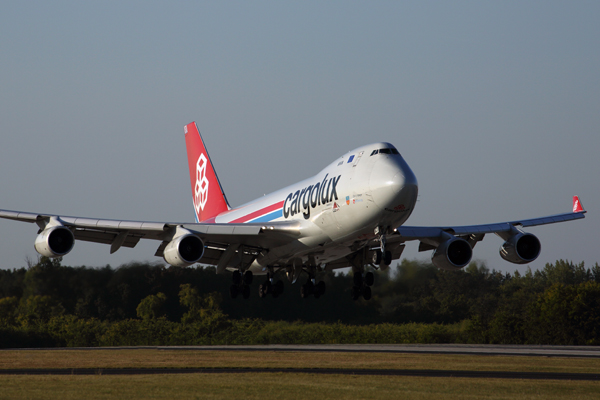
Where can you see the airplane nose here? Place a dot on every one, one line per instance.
(393, 184)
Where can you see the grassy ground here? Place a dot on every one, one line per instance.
(285, 385)
(99, 358)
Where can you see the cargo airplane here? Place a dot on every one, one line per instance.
(350, 214)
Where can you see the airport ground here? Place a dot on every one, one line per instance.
(297, 373)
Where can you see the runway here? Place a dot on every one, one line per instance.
(474, 349)
(320, 371)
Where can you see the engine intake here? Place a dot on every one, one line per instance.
(184, 250)
(521, 248)
(452, 254)
(55, 241)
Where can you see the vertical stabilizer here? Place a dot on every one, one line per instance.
(208, 195)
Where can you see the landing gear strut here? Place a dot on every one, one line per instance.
(381, 256)
(362, 285)
(241, 284)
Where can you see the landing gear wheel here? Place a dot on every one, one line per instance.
(247, 277)
(233, 291)
(307, 289)
(358, 279)
(377, 257)
(278, 288)
(387, 258)
(369, 279)
(320, 288)
(366, 292)
(263, 289)
(355, 292)
(246, 291)
(237, 278)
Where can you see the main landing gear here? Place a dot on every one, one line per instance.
(241, 284)
(317, 289)
(362, 285)
(270, 287)
(243, 280)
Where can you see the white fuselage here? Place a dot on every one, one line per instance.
(337, 209)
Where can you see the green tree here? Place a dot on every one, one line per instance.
(152, 307)
(204, 309)
(8, 309)
(40, 308)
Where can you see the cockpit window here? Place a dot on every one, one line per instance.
(385, 151)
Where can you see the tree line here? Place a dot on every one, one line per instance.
(49, 304)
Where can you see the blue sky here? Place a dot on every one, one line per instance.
(494, 105)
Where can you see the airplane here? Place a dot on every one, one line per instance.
(350, 214)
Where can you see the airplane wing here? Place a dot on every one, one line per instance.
(217, 238)
(453, 245)
(420, 232)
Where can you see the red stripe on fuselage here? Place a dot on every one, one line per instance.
(258, 213)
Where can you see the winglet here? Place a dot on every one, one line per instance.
(577, 207)
(209, 198)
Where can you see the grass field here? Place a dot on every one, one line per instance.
(285, 385)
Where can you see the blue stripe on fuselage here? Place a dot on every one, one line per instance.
(269, 217)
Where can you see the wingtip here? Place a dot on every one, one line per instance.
(577, 207)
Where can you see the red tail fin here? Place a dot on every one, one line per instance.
(577, 207)
(209, 199)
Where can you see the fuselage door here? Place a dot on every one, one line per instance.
(357, 159)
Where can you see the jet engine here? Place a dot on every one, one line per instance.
(184, 250)
(521, 248)
(452, 254)
(55, 241)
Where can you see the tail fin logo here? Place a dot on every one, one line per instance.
(201, 188)
(577, 207)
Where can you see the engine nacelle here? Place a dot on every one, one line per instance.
(184, 250)
(55, 241)
(452, 254)
(521, 248)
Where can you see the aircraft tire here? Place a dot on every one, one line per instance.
(278, 288)
(233, 291)
(307, 289)
(320, 288)
(262, 290)
(246, 291)
(358, 279)
(387, 258)
(303, 292)
(377, 257)
(237, 278)
(355, 292)
(369, 279)
(366, 292)
(247, 277)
